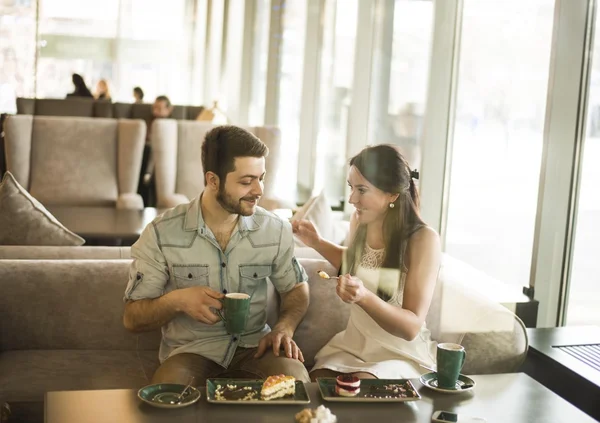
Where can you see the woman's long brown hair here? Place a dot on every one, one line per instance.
(384, 167)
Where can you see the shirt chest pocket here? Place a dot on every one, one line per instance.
(186, 276)
(252, 276)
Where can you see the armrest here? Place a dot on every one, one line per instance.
(172, 201)
(130, 201)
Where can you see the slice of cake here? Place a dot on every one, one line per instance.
(277, 387)
(347, 385)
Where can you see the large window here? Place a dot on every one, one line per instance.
(127, 42)
(260, 54)
(17, 52)
(290, 92)
(401, 97)
(337, 69)
(498, 135)
(584, 292)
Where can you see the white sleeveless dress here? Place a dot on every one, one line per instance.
(364, 346)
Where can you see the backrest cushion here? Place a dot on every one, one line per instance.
(24, 221)
(20, 252)
(103, 109)
(327, 314)
(70, 304)
(25, 106)
(82, 107)
(179, 112)
(190, 174)
(122, 110)
(74, 161)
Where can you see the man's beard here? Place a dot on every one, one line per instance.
(232, 205)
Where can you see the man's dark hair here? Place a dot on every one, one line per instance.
(139, 92)
(165, 99)
(223, 144)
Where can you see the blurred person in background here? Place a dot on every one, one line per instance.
(81, 90)
(102, 90)
(138, 95)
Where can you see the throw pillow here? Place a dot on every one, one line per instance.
(25, 221)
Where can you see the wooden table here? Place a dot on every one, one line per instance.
(105, 225)
(558, 368)
(506, 398)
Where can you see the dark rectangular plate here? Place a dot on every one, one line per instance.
(327, 388)
(300, 397)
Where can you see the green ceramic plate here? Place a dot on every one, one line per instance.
(371, 390)
(166, 395)
(250, 389)
(463, 384)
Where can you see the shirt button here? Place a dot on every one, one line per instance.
(224, 291)
(235, 338)
(223, 264)
(190, 276)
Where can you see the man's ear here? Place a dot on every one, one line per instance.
(212, 181)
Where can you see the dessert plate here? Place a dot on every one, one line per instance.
(372, 390)
(247, 392)
(463, 384)
(166, 395)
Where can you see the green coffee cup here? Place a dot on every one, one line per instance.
(235, 312)
(450, 361)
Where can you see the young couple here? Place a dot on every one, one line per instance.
(188, 258)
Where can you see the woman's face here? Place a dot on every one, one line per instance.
(370, 202)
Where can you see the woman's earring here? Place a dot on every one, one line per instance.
(392, 205)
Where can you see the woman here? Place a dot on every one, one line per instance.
(81, 90)
(389, 273)
(102, 90)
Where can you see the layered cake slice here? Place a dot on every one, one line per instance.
(347, 386)
(278, 386)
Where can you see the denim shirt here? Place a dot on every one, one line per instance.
(177, 250)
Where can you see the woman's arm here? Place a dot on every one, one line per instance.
(423, 260)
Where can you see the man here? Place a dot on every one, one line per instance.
(189, 257)
(161, 109)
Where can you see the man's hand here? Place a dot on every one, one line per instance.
(197, 302)
(279, 338)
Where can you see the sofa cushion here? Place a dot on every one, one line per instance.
(82, 107)
(327, 314)
(74, 161)
(26, 375)
(24, 221)
(190, 174)
(83, 297)
(22, 252)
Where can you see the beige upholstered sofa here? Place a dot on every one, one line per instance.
(176, 149)
(76, 161)
(61, 328)
(87, 107)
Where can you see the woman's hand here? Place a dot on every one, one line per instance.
(351, 289)
(306, 232)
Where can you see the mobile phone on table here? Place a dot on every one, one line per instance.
(449, 417)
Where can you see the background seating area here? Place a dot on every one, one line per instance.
(85, 107)
(76, 161)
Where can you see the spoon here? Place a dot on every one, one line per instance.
(183, 392)
(323, 274)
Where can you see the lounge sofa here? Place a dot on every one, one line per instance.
(87, 107)
(61, 328)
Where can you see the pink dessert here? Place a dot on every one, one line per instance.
(347, 385)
